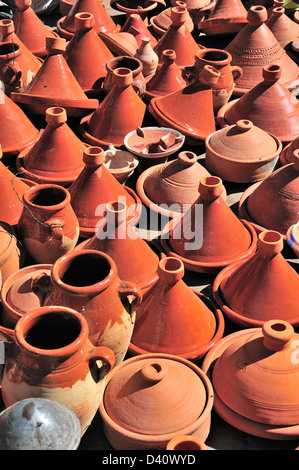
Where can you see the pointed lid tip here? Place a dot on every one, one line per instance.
(209, 75)
(187, 158)
(272, 73)
(6, 26)
(116, 212)
(122, 77)
(270, 243)
(55, 45)
(168, 56)
(170, 269)
(84, 21)
(210, 188)
(277, 11)
(23, 4)
(257, 15)
(93, 156)
(56, 116)
(277, 334)
(244, 125)
(154, 371)
(178, 15)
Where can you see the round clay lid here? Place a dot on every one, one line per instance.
(243, 141)
(155, 395)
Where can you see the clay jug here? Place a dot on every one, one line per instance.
(50, 356)
(147, 57)
(87, 280)
(48, 226)
(220, 60)
(127, 62)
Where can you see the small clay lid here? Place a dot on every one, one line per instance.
(243, 141)
(155, 395)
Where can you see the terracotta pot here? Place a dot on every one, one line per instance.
(220, 60)
(292, 238)
(271, 294)
(94, 188)
(157, 385)
(121, 164)
(50, 363)
(103, 22)
(161, 22)
(118, 239)
(30, 29)
(55, 85)
(23, 291)
(147, 57)
(242, 153)
(12, 253)
(261, 105)
(186, 443)
(284, 28)
(246, 48)
(175, 319)
(48, 226)
(228, 16)
(126, 62)
(135, 25)
(278, 193)
(189, 110)
(167, 79)
(86, 54)
(120, 43)
(121, 111)
(178, 38)
(87, 281)
(267, 392)
(57, 157)
(209, 236)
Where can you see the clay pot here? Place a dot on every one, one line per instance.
(30, 29)
(57, 157)
(189, 110)
(284, 28)
(220, 60)
(266, 394)
(48, 226)
(120, 163)
(242, 153)
(272, 204)
(121, 111)
(103, 22)
(186, 443)
(271, 294)
(132, 63)
(118, 239)
(167, 79)
(87, 55)
(53, 358)
(178, 38)
(209, 236)
(55, 85)
(292, 238)
(147, 57)
(23, 291)
(161, 22)
(11, 254)
(157, 385)
(269, 105)
(246, 48)
(87, 281)
(135, 25)
(120, 43)
(228, 16)
(175, 319)
(94, 188)
(153, 145)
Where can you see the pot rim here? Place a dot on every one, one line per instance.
(31, 192)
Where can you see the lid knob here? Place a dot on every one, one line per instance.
(277, 334)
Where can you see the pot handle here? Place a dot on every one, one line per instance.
(127, 289)
(56, 228)
(12, 75)
(236, 71)
(101, 355)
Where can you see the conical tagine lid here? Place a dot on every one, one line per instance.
(271, 293)
(135, 25)
(284, 29)
(154, 395)
(251, 49)
(228, 16)
(257, 376)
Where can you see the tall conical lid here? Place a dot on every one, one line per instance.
(272, 292)
(228, 16)
(284, 28)
(257, 375)
(251, 48)
(135, 25)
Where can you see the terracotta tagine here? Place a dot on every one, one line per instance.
(186, 443)
(220, 60)
(127, 62)
(266, 394)
(121, 164)
(12, 254)
(118, 239)
(249, 49)
(30, 29)
(87, 280)
(175, 319)
(269, 105)
(161, 22)
(135, 25)
(120, 43)
(23, 291)
(228, 16)
(87, 55)
(178, 38)
(53, 358)
(242, 153)
(189, 110)
(103, 22)
(271, 294)
(18, 424)
(209, 236)
(167, 79)
(284, 28)
(272, 204)
(55, 85)
(147, 57)
(286, 155)
(153, 145)
(94, 188)
(293, 238)
(57, 156)
(158, 386)
(121, 111)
